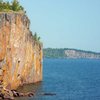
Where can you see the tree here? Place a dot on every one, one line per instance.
(1, 7)
(39, 38)
(36, 38)
(15, 5)
(7, 6)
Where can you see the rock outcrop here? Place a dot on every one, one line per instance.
(70, 53)
(20, 54)
(81, 54)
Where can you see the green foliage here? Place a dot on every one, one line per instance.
(36, 38)
(60, 53)
(16, 6)
(13, 6)
(54, 53)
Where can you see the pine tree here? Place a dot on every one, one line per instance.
(1, 7)
(15, 5)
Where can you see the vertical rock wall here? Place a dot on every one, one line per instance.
(20, 55)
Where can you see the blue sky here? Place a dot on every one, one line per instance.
(66, 23)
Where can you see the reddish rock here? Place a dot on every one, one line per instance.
(20, 54)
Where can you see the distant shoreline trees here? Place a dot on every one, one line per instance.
(13, 6)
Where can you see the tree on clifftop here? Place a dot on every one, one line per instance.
(36, 38)
(13, 6)
(16, 6)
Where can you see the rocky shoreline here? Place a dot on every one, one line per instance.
(11, 94)
(6, 94)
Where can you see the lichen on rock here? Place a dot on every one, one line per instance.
(20, 54)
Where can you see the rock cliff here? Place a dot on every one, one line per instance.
(20, 54)
(70, 53)
(81, 54)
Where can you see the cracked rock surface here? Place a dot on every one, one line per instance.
(20, 54)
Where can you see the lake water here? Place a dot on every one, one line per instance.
(69, 79)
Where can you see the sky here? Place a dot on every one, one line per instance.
(65, 23)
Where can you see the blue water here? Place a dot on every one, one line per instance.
(70, 79)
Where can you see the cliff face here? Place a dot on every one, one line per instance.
(20, 55)
(70, 53)
(81, 54)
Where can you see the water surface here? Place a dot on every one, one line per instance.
(70, 79)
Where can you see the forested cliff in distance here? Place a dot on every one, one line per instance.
(69, 53)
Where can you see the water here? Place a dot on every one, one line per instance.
(70, 79)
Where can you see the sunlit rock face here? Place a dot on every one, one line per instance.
(81, 54)
(20, 54)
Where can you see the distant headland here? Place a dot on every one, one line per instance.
(70, 53)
